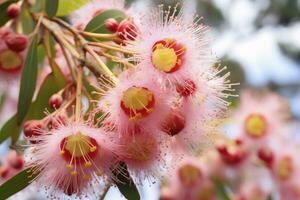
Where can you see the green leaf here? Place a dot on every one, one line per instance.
(54, 82)
(27, 22)
(220, 190)
(3, 16)
(38, 6)
(66, 7)
(17, 183)
(125, 183)
(10, 129)
(51, 7)
(28, 80)
(97, 24)
(2, 100)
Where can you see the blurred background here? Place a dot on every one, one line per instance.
(258, 40)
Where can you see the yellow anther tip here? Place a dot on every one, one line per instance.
(69, 166)
(100, 173)
(169, 40)
(179, 61)
(93, 149)
(150, 110)
(61, 153)
(86, 177)
(159, 46)
(74, 173)
(88, 164)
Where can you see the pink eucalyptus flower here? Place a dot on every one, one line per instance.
(170, 46)
(260, 117)
(190, 180)
(135, 101)
(70, 157)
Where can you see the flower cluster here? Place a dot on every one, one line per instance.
(257, 162)
(162, 99)
(12, 51)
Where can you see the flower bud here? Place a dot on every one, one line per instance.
(127, 30)
(187, 88)
(266, 155)
(16, 42)
(112, 25)
(55, 101)
(174, 123)
(13, 11)
(32, 128)
(232, 154)
(57, 120)
(4, 171)
(4, 32)
(15, 160)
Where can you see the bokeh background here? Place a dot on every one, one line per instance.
(258, 40)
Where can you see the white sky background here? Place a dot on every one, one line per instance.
(256, 51)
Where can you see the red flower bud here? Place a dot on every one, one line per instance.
(4, 171)
(16, 42)
(112, 25)
(127, 30)
(233, 154)
(174, 123)
(55, 101)
(13, 11)
(32, 128)
(57, 120)
(16, 161)
(4, 32)
(266, 155)
(187, 88)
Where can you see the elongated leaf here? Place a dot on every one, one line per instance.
(125, 184)
(97, 24)
(38, 6)
(54, 82)
(3, 16)
(2, 100)
(51, 7)
(27, 22)
(66, 7)
(9, 129)
(28, 80)
(16, 183)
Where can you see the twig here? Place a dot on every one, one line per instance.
(78, 93)
(112, 47)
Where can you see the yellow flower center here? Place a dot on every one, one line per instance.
(141, 149)
(78, 148)
(78, 145)
(190, 174)
(137, 102)
(10, 60)
(167, 55)
(164, 59)
(285, 168)
(256, 125)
